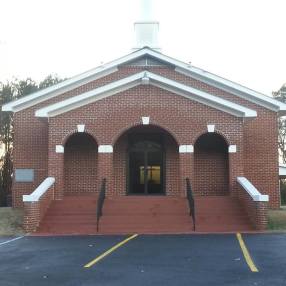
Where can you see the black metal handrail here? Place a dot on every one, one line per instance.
(191, 201)
(100, 202)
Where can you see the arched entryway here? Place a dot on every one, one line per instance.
(146, 162)
(80, 164)
(211, 165)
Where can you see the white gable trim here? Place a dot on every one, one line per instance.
(201, 96)
(234, 88)
(55, 90)
(181, 67)
(90, 96)
(134, 80)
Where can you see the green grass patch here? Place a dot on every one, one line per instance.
(11, 221)
(277, 219)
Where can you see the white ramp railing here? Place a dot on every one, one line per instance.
(252, 191)
(37, 203)
(39, 191)
(254, 202)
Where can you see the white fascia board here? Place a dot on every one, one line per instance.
(55, 90)
(201, 96)
(251, 190)
(222, 83)
(40, 190)
(90, 96)
(71, 83)
(234, 88)
(110, 67)
(156, 80)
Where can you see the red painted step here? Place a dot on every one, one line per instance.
(144, 214)
(72, 215)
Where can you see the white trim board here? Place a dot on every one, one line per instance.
(184, 68)
(154, 79)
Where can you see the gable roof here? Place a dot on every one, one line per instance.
(184, 68)
(145, 78)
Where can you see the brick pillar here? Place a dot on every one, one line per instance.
(32, 216)
(261, 215)
(56, 170)
(235, 168)
(105, 168)
(186, 154)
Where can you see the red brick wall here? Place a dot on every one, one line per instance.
(186, 120)
(29, 152)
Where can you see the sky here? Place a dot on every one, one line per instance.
(241, 40)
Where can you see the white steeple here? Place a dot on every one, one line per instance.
(146, 29)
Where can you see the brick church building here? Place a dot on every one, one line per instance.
(145, 122)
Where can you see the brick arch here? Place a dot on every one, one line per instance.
(80, 163)
(211, 164)
(171, 159)
(69, 134)
(223, 135)
(129, 127)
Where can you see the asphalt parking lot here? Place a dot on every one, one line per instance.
(143, 260)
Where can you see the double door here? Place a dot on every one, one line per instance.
(146, 168)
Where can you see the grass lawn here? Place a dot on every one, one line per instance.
(277, 219)
(11, 221)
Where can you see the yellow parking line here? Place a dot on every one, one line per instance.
(91, 263)
(246, 254)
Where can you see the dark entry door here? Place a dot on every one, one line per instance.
(146, 168)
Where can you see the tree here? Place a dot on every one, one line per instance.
(281, 96)
(6, 95)
(49, 81)
(8, 92)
